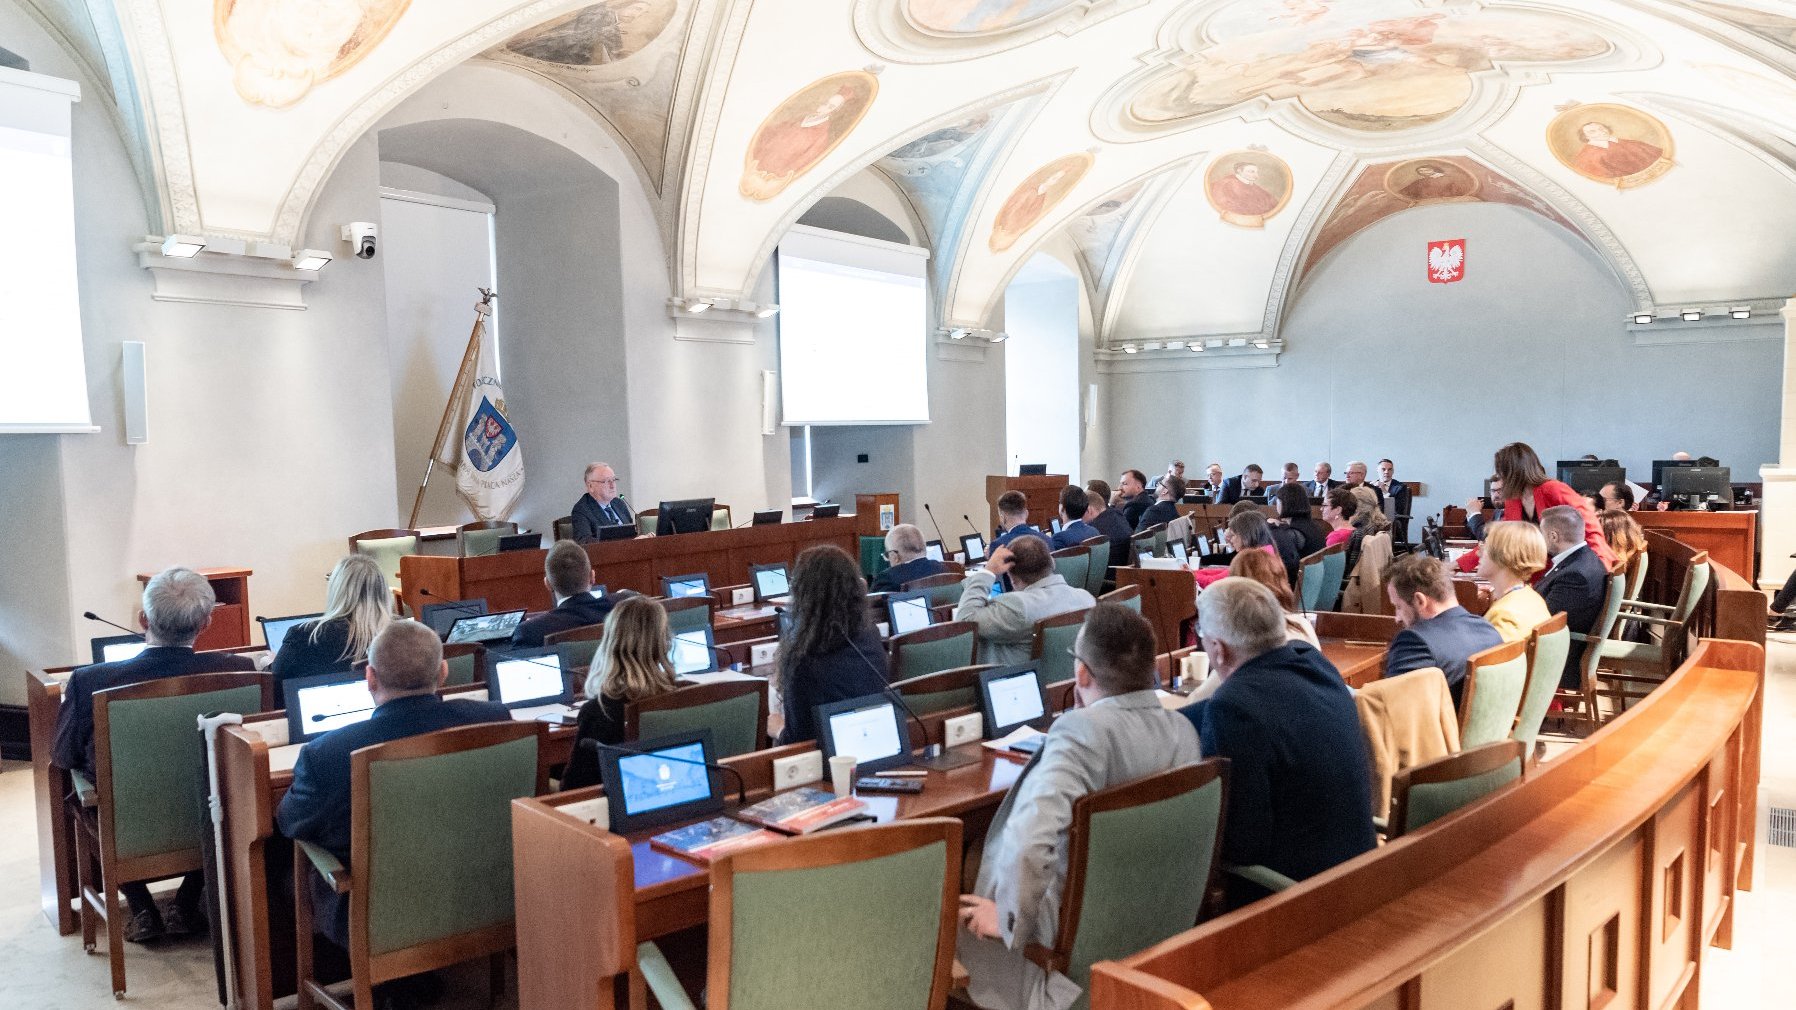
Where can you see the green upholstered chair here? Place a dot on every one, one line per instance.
(1141, 858)
(430, 875)
(1052, 650)
(1312, 572)
(735, 711)
(873, 556)
(645, 521)
(687, 613)
(1428, 792)
(942, 690)
(1128, 596)
(1491, 696)
(1151, 540)
(1579, 704)
(1161, 550)
(1334, 574)
(576, 646)
(140, 819)
(1632, 669)
(943, 589)
(564, 528)
(720, 517)
(1074, 565)
(386, 547)
(1548, 645)
(855, 919)
(933, 649)
(1099, 548)
(477, 540)
(467, 663)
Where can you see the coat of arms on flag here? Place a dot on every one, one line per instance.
(1446, 261)
(476, 439)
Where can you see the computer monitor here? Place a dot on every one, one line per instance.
(1662, 465)
(932, 550)
(906, 612)
(1032, 470)
(677, 586)
(484, 628)
(690, 515)
(827, 510)
(528, 677)
(771, 582)
(439, 617)
(113, 648)
(973, 546)
(520, 542)
(692, 652)
(871, 728)
(274, 629)
(619, 531)
(1588, 476)
(1012, 696)
(660, 781)
(769, 517)
(317, 705)
(1699, 483)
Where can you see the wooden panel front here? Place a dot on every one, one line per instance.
(1042, 493)
(1731, 538)
(1599, 948)
(1504, 969)
(1168, 599)
(1676, 848)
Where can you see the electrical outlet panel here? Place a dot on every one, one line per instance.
(742, 597)
(764, 654)
(966, 729)
(798, 770)
(596, 812)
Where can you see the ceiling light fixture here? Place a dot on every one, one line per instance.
(1000, 337)
(311, 259)
(1130, 348)
(1642, 318)
(958, 333)
(182, 246)
(696, 305)
(1740, 312)
(1262, 344)
(765, 311)
(1196, 345)
(1691, 315)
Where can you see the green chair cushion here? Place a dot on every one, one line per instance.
(440, 842)
(1074, 569)
(157, 796)
(1313, 577)
(1434, 800)
(691, 619)
(387, 552)
(916, 659)
(576, 654)
(479, 543)
(1056, 664)
(1549, 666)
(732, 723)
(461, 670)
(937, 701)
(1334, 569)
(1495, 701)
(1100, 567)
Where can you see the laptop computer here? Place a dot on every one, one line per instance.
(530, 682)
(113, 648)
(274, 629)
(906, 612)
(484, 628)
(870, 728)
(769, 517)
(693, 652)
(772, 582)
(439, 616)
(1012, 696)
(622, 531)
(660, 781)
(676, 586)
(317, 705)
(520, 542)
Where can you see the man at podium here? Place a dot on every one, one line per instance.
(601, 505)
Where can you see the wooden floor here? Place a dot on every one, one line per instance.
(43, 971)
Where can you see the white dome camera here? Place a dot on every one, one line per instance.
(360, 236)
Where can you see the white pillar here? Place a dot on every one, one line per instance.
(1777, 512)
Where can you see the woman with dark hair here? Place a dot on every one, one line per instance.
(1293, 504)
(1246, 531)
(1528, 492)
(1338, 511)
(831, 651)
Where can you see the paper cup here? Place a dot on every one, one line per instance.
(841, 774)
(1194, 668)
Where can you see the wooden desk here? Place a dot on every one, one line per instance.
(1731, 538)
(514, 579)
(1042, 494)
(1168, 600)
(1360, 662)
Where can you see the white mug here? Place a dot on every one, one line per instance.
(1194, 668)
(841, 773)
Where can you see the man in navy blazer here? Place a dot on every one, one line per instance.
(1075, 506)
(405, 668)
(1575, 582)
(177, 607)
(1246, 484)
(567, 572)
(1299, 793)
(908, 555)
(601, 505)
(1437, 631)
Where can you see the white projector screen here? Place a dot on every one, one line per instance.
(41, 341)
(853, 330)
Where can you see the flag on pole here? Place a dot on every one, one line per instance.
(482, 447)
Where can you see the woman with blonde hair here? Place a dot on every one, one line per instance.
(1265, 569)
(630, 664)
(1513, 552)
(357, 605)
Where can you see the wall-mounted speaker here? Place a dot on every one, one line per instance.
(769, 400)
(136, 393)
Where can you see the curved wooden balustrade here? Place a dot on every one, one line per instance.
(1596, 883)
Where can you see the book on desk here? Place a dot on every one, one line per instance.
(710, 839)
(802, 810)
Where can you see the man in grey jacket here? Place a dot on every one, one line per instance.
(1007, 621)
(1118, 733)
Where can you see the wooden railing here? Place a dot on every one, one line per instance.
(1598, 882)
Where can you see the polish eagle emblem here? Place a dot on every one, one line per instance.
(1446, 261)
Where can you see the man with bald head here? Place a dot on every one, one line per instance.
(601, 505)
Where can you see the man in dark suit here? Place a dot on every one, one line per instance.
(1247, 484)
(567, 572)
(1132, 498)
(601, 505)
(1356, 477)
(1322, 485)
(1166, 504)
(1108, 521)
(405, 668)
(1075, 506)
(1013, 520)
(1437, 631)
(177, 607)
(1575, 582)
(906, 553)
(1397, 494)
(1299, 784)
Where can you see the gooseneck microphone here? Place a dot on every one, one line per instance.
(741, 784)
(975, 529)
(938, 526)
(90, 615)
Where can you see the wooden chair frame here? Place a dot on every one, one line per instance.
(953, 679)
(1153, 536)
(1121, 594)
(936, 581)
(367, 969)
(1374, 628)
(584, 633)
(379, 535)
(96, 835)
(1493, 656)
(934, 633)
(475, 649)
(1463, 765)
(700, 694)
(1142, 791)
(1551, 625)
(835, 848)
(563, 528)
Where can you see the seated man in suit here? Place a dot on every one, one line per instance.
(1575, 582)
(1299, 784)
(1396, 493)
(405, 668)
(1013, 519)
(1075, 505)
(1117, 733)
(1356, 477)
(1474, 514)
(1007, 623)
(1437, 631)
(1166, 504)
(1248, 484)
(905, 553)
(1323, 484)
(1292, 475)
(1176, 468)
(567, 572)
(1132, 498)
(1213, 483)
(601, 505)
(177, 607)
(1108, 520)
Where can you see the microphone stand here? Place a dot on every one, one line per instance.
(90, 615)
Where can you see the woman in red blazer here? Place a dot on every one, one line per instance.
(1532, 492)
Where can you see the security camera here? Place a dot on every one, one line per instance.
(360, 236)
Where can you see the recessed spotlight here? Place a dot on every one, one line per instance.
(1000, 337)
(1691, 315)
(1740, 312)
(182, 246)
(1642, 318)
(310, 259)
(1130, 348)
(765, 311)
(1196, 345)
(696, 305)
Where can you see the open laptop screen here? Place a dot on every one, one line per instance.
(274, 629)
(534, 678)
(439, 616)
(317, 705)
(485, 628)
(112, 648)
(907, 612)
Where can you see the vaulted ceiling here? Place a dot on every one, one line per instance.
(1199, 158)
